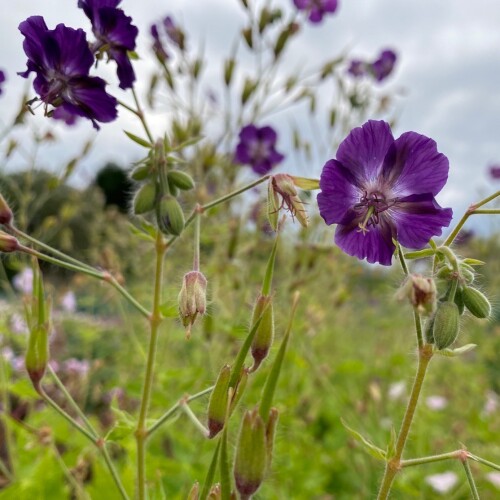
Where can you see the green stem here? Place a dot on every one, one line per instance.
(452, 455)
(169, 413)
(470, 211)
(196, 257)
(79, 491)
(484, 462)
(418, 328)
(402, 259)
(194, 419)
(3, 416)
(140, 114)
(112, 470)
(394, 464)
(155, 320)
(470, 479)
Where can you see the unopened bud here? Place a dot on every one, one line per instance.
(251, 452)
(283, 38)
(215, 492)
(247, 35)
(141, 172)
(421, 293)
(169, 215)
(5, 212)
(248, 89)
(264, 335)
(284, 186)
(446, 324)
(192, 298)
(194, 493)
(217, 405)
(8, 243)
(272, 423)
(180, 179)
(37, 355)
(459, 300)
(476, 302)
(145, 198)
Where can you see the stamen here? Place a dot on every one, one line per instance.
(363, 225)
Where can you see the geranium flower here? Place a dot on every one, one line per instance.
(2, 79)
(61, 59)
(257, 149)
(158, 48)
(115, 34)
(495, 172)
(382, 67)
(173, 32)
(379, 189)
(316, 8)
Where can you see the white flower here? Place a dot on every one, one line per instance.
(68, 302)
(442, 483)
(494, 478)
(23, 281)
(397, 390)
(436, 403)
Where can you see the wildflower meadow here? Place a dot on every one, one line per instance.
(271, 297)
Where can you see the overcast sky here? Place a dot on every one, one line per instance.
(449, 68)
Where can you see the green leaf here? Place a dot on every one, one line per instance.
(452, 353)
(209, 479)
(140, 233)
(373, 450)
(391, 446)
(139, 140)
(473, 262)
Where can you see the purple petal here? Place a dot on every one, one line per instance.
(302, 4)
(262, 167)
(375, 245)
(338, 193)
(116, 28)
(267, 134)
(364, 149)
(413, 165)
(419, 218)
(124, 70)
(316, 15)
(242, 154)
(75, 58)
(249, 134)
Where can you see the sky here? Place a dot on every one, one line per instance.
(448, 73)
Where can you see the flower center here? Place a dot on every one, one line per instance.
(259, 150)
(372, 204)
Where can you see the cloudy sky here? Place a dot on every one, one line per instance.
(448, 71)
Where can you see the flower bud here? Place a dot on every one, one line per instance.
(145, 198)
(264, 335)
(248, 89)
(192, 299)
(421, 293)
(194, 493)
(247, 35)
(272, 423)
(217, 405)
(476, 302)
(251, 451)
(459, 299)
(140, 172)
(228, 71)
(215, 492)
(8, 243)
(180, 179)
(5, 212)
(284, 186)
(169, 215)
(37, 355)
(446, 324)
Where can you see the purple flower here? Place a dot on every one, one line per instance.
(257, 149)
(382, 67)
(174, 32)
(495, 172)
(2, 79)
(158, 48)
(379, 189)
(316, 8)
(61, 60)
(115, 34)
(357, 68)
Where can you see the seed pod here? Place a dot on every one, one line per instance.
(169, 215)
(264, 335)
(180, 179)
(217, 405)
(145, 198)
(429, 331)
(228, 71)
(446, 325)
(459, 299)
(140, 173)
(5, 211)
(476, 302)
(8, 243)
(272, 423)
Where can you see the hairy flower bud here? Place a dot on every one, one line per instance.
(169, 215)
(476, 302)
(217, 405)
(8, 243)
(145, 198)
(421, 293)
(180, 179)
(194, 493)
(251, 454)
(446, 324)
(5, 212)
(284, 186)
(192, 299)
(264, 335)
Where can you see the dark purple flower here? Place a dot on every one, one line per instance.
(61, 59)
(382, 67)
(357, 68)
(158, 48)
(379, 189)
(316, 8)
(2, 79)
(115, 35)
(257, 149)
(495, 172)
(174, 32)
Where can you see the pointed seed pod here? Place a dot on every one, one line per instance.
(180, 179)
(217, 405)
(272, 423)
(476, 302)
(5, 212)
(145, 198)
(240, 389)
(8, 243)
(251, 454)
(264, 335)
(169, 215)
(228, 71)
(273, 206)
(446, 325)
(194, 493)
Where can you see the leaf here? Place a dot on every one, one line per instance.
(124, 426)
(139, 140)
(391, 446)
(188, 142)
(140, 233)
(453, 353)
(373, 450)
(169, 309)
(473, 262)
(305, 183)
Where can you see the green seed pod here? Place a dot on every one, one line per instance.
(145, 198)
(273, 206)
(272, 423)
(459, 299)
(446, 325)
(251, 454)
(180, 179)
(476, 302)
(194, 493)
(217, 405)
(169, 215)
(264, 335)
(140, 173)
(228, 71)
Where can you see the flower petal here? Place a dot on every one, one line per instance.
(418, 218)
(413, 165)
(75, 58)
(364, 149)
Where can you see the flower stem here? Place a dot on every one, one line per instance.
(141, 432)
(393, 466)
(484, 462)
(189, 413)
(140, 114)
(196, 256)
(452, 455)
(470, 479)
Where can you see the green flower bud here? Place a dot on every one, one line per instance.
(444, 272)
(247, 35)
(248, 89)
(37, 355)
(5, 212)
(140, 173)
(264, 335)
(467, 273)
(283, 38)
(8, 243)
(194, 493)
(228, 71)
(217, 405)
(180, 179)
(169, 215)
(459, 299)
(429, 331)
(273, 207)
(251, 454)
(145, 198)
(272, 423)
(192, 299)
(476, 302)
(446, 324)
